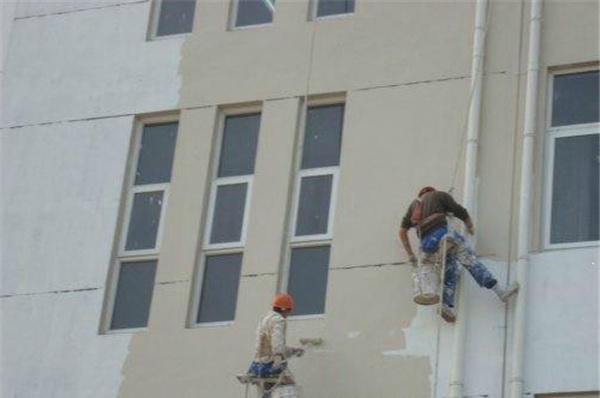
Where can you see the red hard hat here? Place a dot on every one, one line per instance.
(283, 301)
(426, 189)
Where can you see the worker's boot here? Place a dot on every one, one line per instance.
(505, 294)
(448, 314)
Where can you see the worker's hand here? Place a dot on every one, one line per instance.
(298, 352)
(413, 260)
(277, 360)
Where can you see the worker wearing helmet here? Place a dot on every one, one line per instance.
(271, 350)
(428, 214)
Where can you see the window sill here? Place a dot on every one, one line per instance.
(178, 36)
(210, 325)
(247, 27)
(123, 331)
(333, 17)
(571, 246)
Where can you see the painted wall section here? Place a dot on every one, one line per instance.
(84, 73)
(76, 75)
(61, 192)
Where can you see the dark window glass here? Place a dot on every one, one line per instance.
(308, 279)
(144, 221)
(134, 294)
(334, 7)
(323, 136)
(228, 216)
(156, 154)
(313, 206)
(254, 12)
(575, 99)
(238, 150)
(176, 16)
(575, 199)
(219, 288)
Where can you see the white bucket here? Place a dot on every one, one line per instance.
(285, 392)
(426, 283)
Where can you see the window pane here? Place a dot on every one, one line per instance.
(575, 99)
(144, 221)
(253, 12)
(334, 7)
(229, 213)
(313, 206)
(156, 154)
(323, 136)
(134, 294)
(575, 198)
(308, 279)
(176, 16)
(219, 288)
(238, 149)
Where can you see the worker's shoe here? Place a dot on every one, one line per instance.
(505, 294)
(448, 314)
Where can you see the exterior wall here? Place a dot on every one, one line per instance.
(403, 69)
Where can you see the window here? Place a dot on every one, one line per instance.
(326, 8)
(173, 17)
(132, 287)
(233, 182)
(573, 160)
(252, 12)
(312, 225)
(309, 267)
(219, 288)
(224, 237)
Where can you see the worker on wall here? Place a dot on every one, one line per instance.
(428, 214)
(271, 355)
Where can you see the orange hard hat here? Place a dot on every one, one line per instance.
(283, 301)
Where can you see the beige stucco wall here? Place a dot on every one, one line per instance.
(404, 67)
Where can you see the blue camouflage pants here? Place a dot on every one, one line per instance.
(462, 253)
(266, 370)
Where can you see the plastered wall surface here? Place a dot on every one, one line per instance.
(78, 79)
(404, 68)
(563, 322)
(61, 187)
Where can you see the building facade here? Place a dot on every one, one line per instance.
(168, 166)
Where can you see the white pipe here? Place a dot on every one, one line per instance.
(524, 230)
(473, 127)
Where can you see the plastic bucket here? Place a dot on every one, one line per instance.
(426, 284)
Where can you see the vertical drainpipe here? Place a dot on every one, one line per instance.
(524, 229)
(456, 380)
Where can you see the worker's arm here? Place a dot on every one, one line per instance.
(403, 234)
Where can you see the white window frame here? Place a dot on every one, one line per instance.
(234, 7)
(221, 181)
(120, 255)
(192, 318)
(551, 135)
(308, 241)
(315, 172)
(155, 17)
(314, 8)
